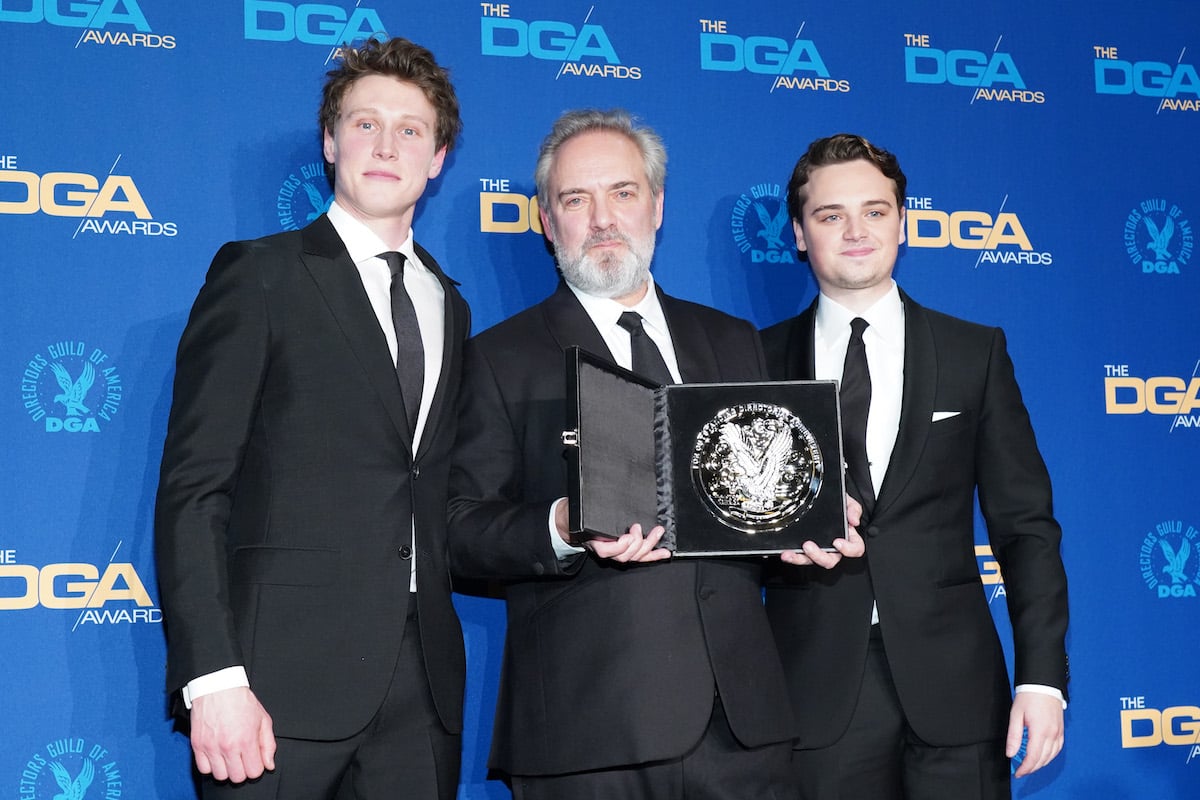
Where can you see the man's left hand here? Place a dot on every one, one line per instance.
(1042, 715)
(852, 546)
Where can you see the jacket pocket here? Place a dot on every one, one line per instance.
(284, 566)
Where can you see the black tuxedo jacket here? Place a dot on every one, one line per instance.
(289, 488)
(604, 664)
(941, 643)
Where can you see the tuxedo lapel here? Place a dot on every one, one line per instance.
(697, 364)
(451, 337)
(916, 407)
(337, 277)
(801, 357)
(569, 323)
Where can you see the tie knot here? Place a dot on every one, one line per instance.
(857, 326)
(632, 322)
(395, 262)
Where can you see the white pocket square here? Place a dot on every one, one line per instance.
(938, 416)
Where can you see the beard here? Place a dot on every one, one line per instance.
(612, 275)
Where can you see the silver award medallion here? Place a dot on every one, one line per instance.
(757, 468)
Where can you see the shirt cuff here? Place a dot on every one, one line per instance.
(1037, 688)
(561, 548)
(222, 679)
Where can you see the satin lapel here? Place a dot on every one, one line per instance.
(570, 324)
(801, 359)
(330, 266)
(916, 407)
(453, 334)
(697, 364)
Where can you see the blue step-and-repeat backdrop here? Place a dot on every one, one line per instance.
(1053, 154)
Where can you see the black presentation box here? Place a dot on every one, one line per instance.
(726, 468)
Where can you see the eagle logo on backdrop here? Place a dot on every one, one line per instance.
(303, 196)
(772, 226)
(1168, 560)
(74, 392)
(73, 788)
(1160, 240)
(65, 769)
(759, 225)
(1176, 560)
(71, 387)
(1158, 237)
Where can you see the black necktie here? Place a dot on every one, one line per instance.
(856, 404)
(410, 353)
(647, 360)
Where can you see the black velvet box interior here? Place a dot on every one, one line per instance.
(673, 455)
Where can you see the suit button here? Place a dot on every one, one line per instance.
(706, 592)
(406, 552)
(416, 471)
(872, 531)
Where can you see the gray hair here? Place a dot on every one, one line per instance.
(573, 123)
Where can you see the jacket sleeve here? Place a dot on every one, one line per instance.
(1015, 497)
(497, 530)
(220, 365)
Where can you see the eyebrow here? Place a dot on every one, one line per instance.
(841, 207)
(612, 187)
(404, 117)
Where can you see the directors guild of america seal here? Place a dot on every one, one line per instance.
(757, 467)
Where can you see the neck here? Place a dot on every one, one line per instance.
(393, 231)
(857, 300)
(633, 298)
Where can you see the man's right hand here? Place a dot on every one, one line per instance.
(232, 736)
(630, 547)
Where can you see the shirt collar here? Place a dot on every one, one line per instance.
(886, 317)
(361, 242)
(605, 311)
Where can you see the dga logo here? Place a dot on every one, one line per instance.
(311, 23)
(114, 595)
(1177, 726)
(96, 201)
(1166, 395)
(501, 210)
(993, 76)
(71, 769)
(989, 572)
(1158, 238)
(303, 197)
(1177, 85)
(71, 388)
(1169, 560)
(796, 65)
(95, 17)
(760, 225)
(1000, 240)
(584, 52)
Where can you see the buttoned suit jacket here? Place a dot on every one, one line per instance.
(920, 564)
(289, 488)
(605, 664)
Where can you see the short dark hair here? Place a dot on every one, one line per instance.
(401, 59)
(839, 149)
